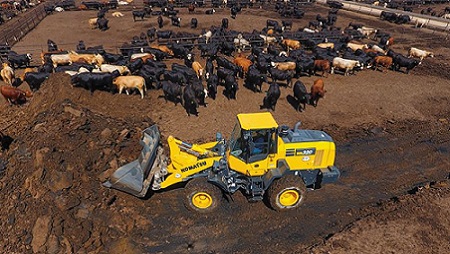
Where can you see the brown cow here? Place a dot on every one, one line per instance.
(322, 65)
(317, 92)
(14, 95)
(291, 44)
(385, 61)
(244, 63)
(198, 68)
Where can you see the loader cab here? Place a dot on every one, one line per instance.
(253, 140)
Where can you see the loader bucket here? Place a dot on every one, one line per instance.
(136, 176)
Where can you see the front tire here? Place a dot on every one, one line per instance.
(286, 193)
(201, 196)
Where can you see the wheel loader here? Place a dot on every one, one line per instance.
(261, 159)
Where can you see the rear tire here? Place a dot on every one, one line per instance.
(201, 196)
(286, 193)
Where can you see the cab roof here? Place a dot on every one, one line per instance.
(250, 121)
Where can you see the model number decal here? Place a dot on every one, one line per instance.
(300, 151)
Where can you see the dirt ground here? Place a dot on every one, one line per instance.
(391, 129)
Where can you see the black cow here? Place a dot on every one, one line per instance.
(164, 34)
(101, 13)
(189, 73)
(35, 79)
(272, 96)
(301, 95)
(287, 24)
(400, 61)
(176, 21)
(160, 21)
(194, 23)
(190, 101)
(199, 90)
(51, 45)
(138, 14)
(175, 77)
(81, 45)
(225, 23)
(151, 33)
(188, 60)
(47, 67)
(255, 79)
(388, 16)
(231, 87)
(102, 24)
(172, 91)
(222, 73)
(179, 51)
(112, 58)
(276, 74)
(403, 19)
(17, 60)
(212, 83)
(209, 67)
(234, 11)
(221, 61)
(95, 81)
(271, 23)
(210, 11)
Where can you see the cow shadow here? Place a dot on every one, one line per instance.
(174, 100)
(5, 141)
(292, 101)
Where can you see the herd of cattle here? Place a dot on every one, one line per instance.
(276, 51)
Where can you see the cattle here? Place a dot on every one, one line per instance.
(317, 92)
(345, 64)
(109, 68)
(35, 79)
(189, 73)
(276, 74)
(95, 59)
(287, 24)
(7, 74)
(102, 24)
(399, 61)
(51, 45)
(14, 95)
(231, 87)
(194, 23)
(176, 21)
(138, 14)
(93, 23)
(172, 91)
(160, 21)
(255, 79)
(189, 100)
(285, 66)
(384, 61)
(234, 11)
(164, 34)
(244, 63)
(200, 91)
(207, 35)
(191, 8)
(268, 39)
(271, 23)
(290, 44)
(17, 60)
(164, 49)
(94, 81)
(301, 95)
(322, 65)
(272, 96)
(367, 31)
(130, 82)
(355, 46)
(179, 51)
(378, 49)
(210, 11)
(221, 61)
(144, 56)
(241, 43)
(197, 67)
(209, 68)
(211, 85)
(225, 23)
(81, 45)
(175, 77)
(325, 45)
(421, 54)
(117, 14)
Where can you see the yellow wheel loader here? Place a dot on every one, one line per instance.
(261, 159)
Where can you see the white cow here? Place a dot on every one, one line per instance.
(344, 64)
(415, 52)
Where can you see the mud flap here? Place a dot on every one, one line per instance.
(135, 177)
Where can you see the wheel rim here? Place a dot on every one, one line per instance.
(289, 197)
(202, 200)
